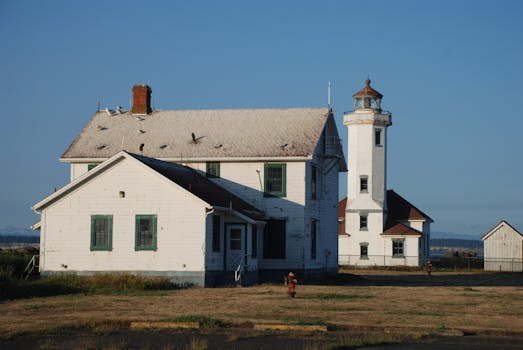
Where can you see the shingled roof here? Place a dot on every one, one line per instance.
(185, 177)
(399, 209)
(200, 186)
(203, 134)
(401, 229)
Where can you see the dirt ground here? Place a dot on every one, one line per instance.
(370, 304)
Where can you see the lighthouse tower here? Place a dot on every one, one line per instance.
(366, 210)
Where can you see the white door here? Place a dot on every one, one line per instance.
(235, 236)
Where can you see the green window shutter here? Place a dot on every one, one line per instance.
(212, 169)
(275, 179)
(101, 232)
(91, 166)
(146, 229)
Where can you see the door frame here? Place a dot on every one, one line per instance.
(226, 241)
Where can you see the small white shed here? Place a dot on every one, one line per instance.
(503, 248)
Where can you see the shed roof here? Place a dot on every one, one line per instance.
(178, 135)
(495, 228)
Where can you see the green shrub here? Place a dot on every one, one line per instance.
(13, 264)
(106, 283)
(203, 321)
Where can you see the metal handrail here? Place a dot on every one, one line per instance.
(30, 266)
(238, 271)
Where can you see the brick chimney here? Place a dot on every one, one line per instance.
(141, 99)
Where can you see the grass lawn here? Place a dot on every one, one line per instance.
(375, 309)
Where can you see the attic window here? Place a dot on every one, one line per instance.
(212, 169)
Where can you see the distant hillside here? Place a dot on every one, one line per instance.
(450, 235)
(457, 243)
(448, 246)
(18, 231)
(8, 239)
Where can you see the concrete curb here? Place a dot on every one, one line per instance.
(289, 327)
(164, 325)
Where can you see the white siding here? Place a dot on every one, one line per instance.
(246, 180)
(503, 250)
(180, 232)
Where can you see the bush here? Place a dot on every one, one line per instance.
(106, 283)
(13, 264)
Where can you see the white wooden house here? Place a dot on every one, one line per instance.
(503, 248)
(262, 199)
(381, 228)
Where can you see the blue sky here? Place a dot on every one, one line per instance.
(451, 73)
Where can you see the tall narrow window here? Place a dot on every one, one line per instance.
(275, 180)
(377, 137)
(313, 182)
(212, 169)
(364, 184)
(216, 225)
(313, 238)
(274, 239)
(398, 248)
(363, 222)
(364, 250)
(101, 232)
(254, 242)
(145, 232)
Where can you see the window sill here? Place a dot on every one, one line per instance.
(101, 249)
(364, 228)
(364, 258)
(273, 195)
(137, 249)
(398, 256)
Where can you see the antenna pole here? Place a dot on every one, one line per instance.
(98, 110)
(329, 94)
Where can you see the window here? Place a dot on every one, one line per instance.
(274, 239)
(398, 248)
(313, 181)
(145, 234)
(91, 166)
(275, 180)
(377, 137)
(216, 225)
(212, 169)
(235, 239)
(101, 232)
(363, 222)
(364, 250)
(364, 184)
(254, 243)
(313, 238)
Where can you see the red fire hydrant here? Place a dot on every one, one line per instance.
(429, 267)
(291, 283)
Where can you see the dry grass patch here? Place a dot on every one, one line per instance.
(414, 308)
